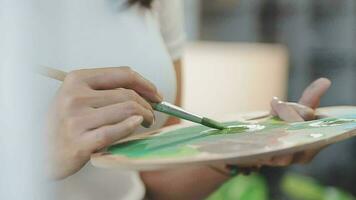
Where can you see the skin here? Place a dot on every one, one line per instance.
(97, 107)
(199, 182)
(93, 109)
(304, 110)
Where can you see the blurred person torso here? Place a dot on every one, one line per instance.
(109, 33)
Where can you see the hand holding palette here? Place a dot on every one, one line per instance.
(241, 143)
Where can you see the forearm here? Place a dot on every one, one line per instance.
(183, 183)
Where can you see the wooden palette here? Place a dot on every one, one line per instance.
(248, 141)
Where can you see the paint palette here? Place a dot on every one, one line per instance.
(244, 142)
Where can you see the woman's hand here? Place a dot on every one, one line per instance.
(93, 109)
(304, 110)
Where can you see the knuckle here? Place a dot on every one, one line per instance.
(127, 70)
(120, 92)
(80, 154)
(131, 94)
(121, 95)
(131, 74)
(72, 100)
(131, 127)
(73, 76)
(132, 107)
(103, 138)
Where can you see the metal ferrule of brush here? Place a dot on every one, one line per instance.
(171, 109)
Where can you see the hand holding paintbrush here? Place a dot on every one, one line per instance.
(91, 113)
(97, 107)
(163, 107)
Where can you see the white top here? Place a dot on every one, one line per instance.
(106, 33)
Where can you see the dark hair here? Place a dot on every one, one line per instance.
(144, 3)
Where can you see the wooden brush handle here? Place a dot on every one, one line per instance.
(52, 73)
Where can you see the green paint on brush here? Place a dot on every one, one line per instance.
(178, 112)
(213, 124)
(229, 130)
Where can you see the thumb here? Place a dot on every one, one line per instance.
(313, 93)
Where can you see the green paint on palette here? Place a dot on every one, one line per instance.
(229, 130)
(332, 122)
(184, 142)
(178, 143)
(327, 122)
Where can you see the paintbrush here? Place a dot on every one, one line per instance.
(163, 107)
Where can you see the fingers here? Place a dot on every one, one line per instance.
(109, 97)
(285, 112)
(116, 113)
(303, 111)
(307, 104)
(295, 112)
(312, 94)
(96, 107)
(107, 135)
(116, 77)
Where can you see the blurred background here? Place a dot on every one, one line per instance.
(255, 49)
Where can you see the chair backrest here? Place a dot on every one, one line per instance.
(225, 78)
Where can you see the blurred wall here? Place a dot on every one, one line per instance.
(238, 69)
(229, 78)
(320, 35)
(192, 9)
(21, 144)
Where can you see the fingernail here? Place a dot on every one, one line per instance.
(275, 98)
(147, 124)
(154, 119)
(159, 97)
(280, 102)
